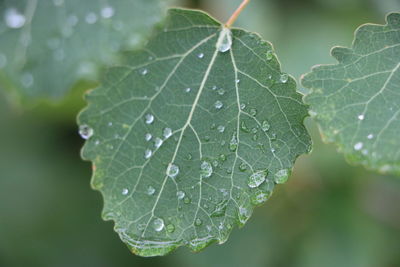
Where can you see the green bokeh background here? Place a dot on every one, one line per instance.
(328, 214)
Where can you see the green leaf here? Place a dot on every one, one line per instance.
(190, 133)
(357, 101)
(47, 46)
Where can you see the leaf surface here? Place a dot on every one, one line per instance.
(47, 46)
(191, 133)
(356, 102)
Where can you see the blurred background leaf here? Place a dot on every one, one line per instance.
(327, 214)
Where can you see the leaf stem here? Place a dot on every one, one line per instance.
(235, 14)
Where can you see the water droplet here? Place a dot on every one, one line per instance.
(170, 228)
(221, 91)
(201, 55)
(361, 117)
(180, 195)
(221, 128)
(158, 142)
(284, 78)
(97, 142)
(269, 55)
(244, 215)
(256, 179)
(224, 42)
(206, 169)
(253, 112)
(187, 90)
(151, 190)
(125, 191)
(14, 19)
(144, 71)
(147, 153)
(237, 81)
(244, 127)
(148, 137)
(27, 80)
(242, 106)
(172, 170)
(265, 126)
(198, 222)
(358, 146)
(218, 105)
(72, 20)
(233, 144)
(243, 167)
(3, 61)
(167, 132)
(281, 176)
(209, 228)
(260, 197)
(85, 131)
(370, 136)
(107, 12)
(222, 157)
(158, 224)
(149, 118)
(187, 200)
(91, 18)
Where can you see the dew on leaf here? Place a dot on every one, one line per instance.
(147, 153)
(180, 195)
(244, 127)
(125, 191)
(201, 55)
(148, 137)
(242, 106)
(158, 224)
(218, 105)
(144, 71)
(284, 78)
(158, 142)
(265, 126)
(361, 117)
(259, 197)
(206, 169)
(243, 167)
(150, 190)
(85, 131)
(253, 112)
(370, 136)
(281, 176)
(14, 19)
(149, 118)
(172, 170)
(167, 132)
(221, 128)
(358, 146)
(187, 90)
(256, 179)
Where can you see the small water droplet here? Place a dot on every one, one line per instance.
(242, 106)
(218, 105)
(149, 118)
(180, 195)
(222, 157)
(206, 169)
(221, 128)
(370, 136)
(198, 222)
(265, 126)
(172, 170)
(158, 142)
(201, 55)
(237, 81)
(167, 132)
(187, 90)
(224, 42)
(244, 215)
(358, 146)
(144, 71)
(284, 78)
(85, 131)
(269, 55)
(125, 191)
(243, 167)
(147, 153)
(170, 228)
(151, 190)
(107, 12)
(360, 117)
(187, 200)
(148, 137)
(253, 112)
(260, 197)
(233, 144)
(14, 19)
(158, 224)
(110, 124)
(91, 18)
(281, 176)
(256, 179)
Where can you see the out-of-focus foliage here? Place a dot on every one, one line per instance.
(328, 214)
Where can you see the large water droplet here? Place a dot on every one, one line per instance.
(256, 179)
(147, 153)
(172, 170)
(151, 190)
(14, 19)
(201, 55)
(125, 191)
(148, 137)
(149, 118)
(158, 142)
(233, 144)
(284, 78)
(224, 43)
(107, 12)
(281, 176)
(361, 117)
(85, 131)
(259, 197)
(167, 132)
(358, 146)
(206, 169)
(158, 224)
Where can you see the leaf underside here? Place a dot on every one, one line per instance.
(187, 139)
(47, 46)
(356, 102)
